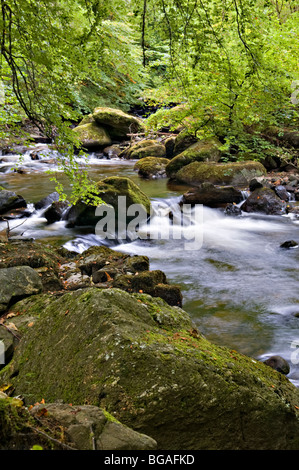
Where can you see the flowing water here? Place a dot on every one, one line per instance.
(239, 286)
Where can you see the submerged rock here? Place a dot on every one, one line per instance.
(278, 363)
(289, 244)
(146, 364)
(232, 210)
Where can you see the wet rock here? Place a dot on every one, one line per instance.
(278, 363)
(16, 283)
(55, 212)
(255, 183)
(47, 201)
(232, 210)
(289, 244)
(264, 200)
(109, 190)
(212, 196)
(282, 193)
(169, 147)
(10, 200)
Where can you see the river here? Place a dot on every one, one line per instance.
(238, 285)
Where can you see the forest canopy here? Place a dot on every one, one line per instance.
(228, 68)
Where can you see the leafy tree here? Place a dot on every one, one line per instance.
(232, 64)
(60, 58)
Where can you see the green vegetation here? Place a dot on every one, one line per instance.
(230, 67)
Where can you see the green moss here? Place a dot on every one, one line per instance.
(92, 135)
(204, 150)
(238, 173)
(120, 122)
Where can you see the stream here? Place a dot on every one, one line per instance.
(238, 285)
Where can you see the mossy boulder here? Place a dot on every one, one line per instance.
(92, 136)
(183, 141)
(236, 174)
(150, 368)
(143, 149)
(109, 190)
(206, 150)
(118, 123)
(151, 167)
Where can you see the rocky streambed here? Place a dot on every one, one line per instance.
(115, 344)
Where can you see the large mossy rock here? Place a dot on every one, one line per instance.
(236, 174)
(151, 167)
(44, 259)
(206, 150)
(9, 200)
(92, 136)
(146, 364)
(143, 149)
(118, 123)
(16, 283)
(109, 190)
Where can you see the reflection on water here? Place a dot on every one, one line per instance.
(239, 286)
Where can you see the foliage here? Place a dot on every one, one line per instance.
(58, 60)
(232, 63)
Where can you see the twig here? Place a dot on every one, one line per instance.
(52, 439)
(8, 329)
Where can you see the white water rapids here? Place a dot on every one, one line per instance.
(238, 285)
